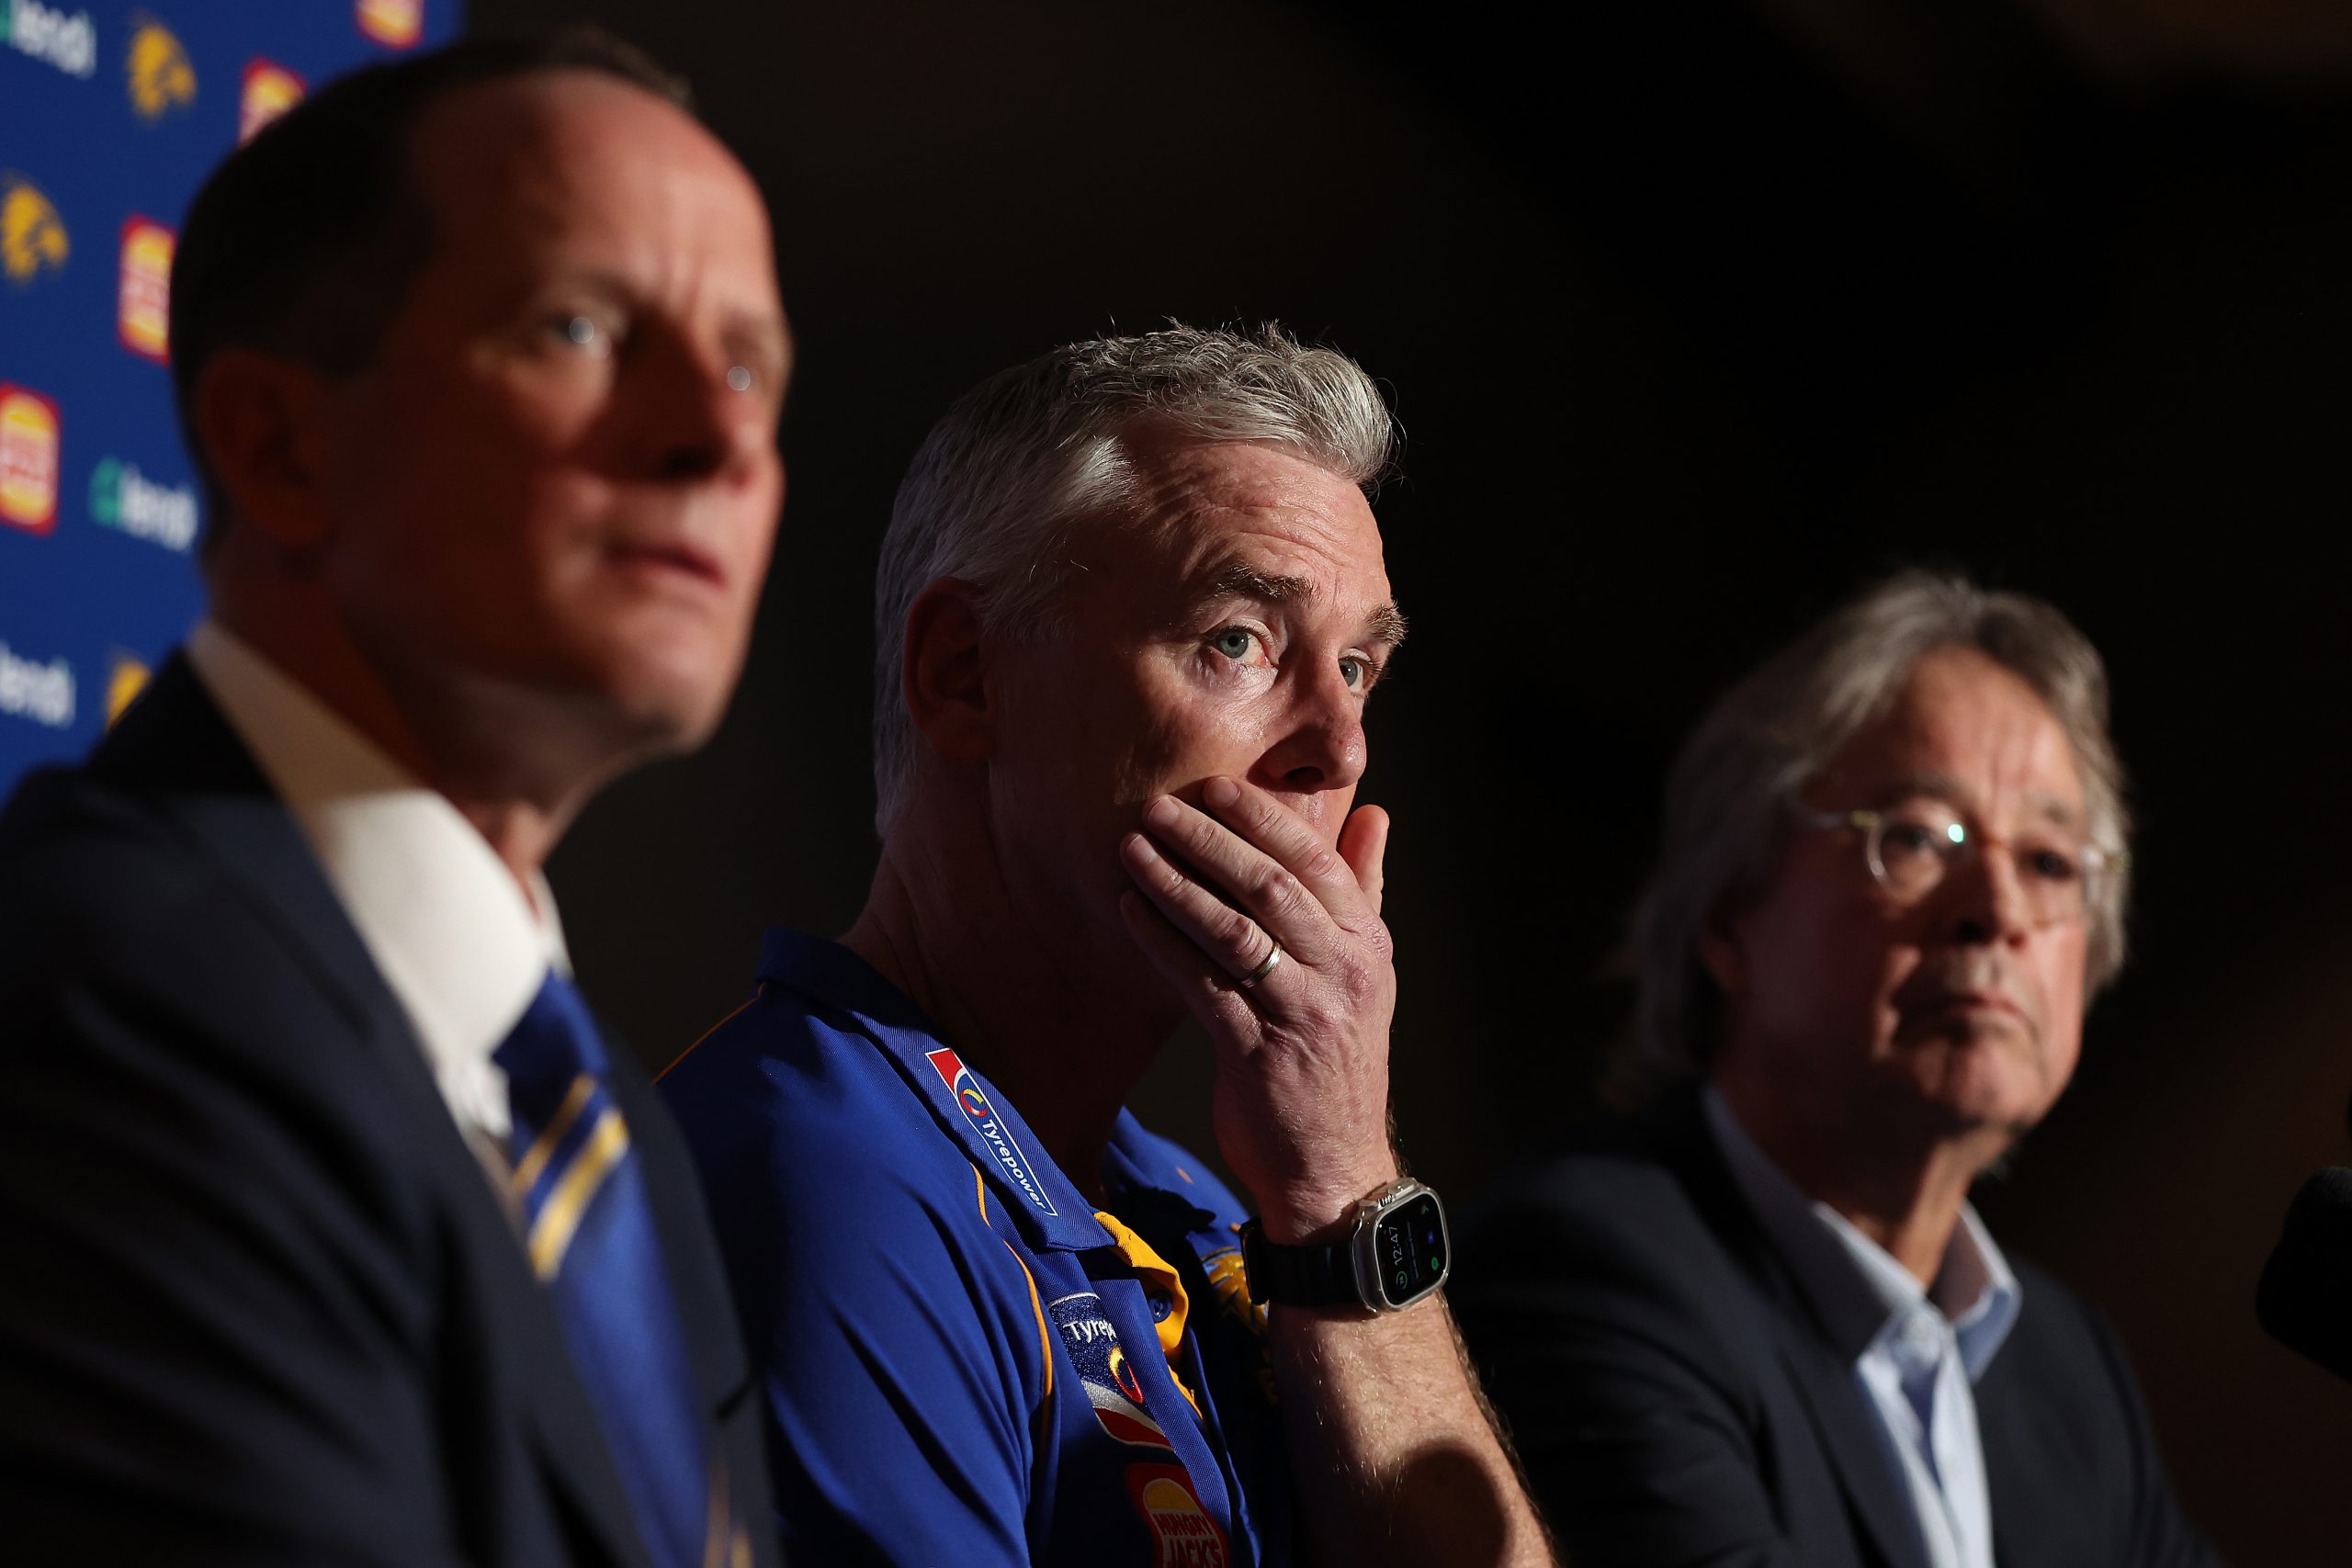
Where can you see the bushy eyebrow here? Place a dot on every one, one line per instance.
(1944, 788)
(1241, 580)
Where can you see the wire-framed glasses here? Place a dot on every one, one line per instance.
(1912, 849)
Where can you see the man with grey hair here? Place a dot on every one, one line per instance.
(1761, 1323)
(1131, 605)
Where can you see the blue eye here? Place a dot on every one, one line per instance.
(583, 333)
(1352, 671)
(1233, 642)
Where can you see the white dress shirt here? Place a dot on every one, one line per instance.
(451, 931)
(1917, 1353)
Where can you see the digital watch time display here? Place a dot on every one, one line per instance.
(1395, 1252)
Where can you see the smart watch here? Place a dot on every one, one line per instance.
(1395, 1252)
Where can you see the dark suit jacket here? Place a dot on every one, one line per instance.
(260, 1305)
(1675, 1400)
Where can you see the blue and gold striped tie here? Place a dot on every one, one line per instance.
(589, 1230)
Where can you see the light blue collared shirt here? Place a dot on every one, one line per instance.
(1917, 1353)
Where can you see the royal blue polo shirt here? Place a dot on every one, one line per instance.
(964, 1362)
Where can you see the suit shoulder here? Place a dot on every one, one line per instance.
(1612, 1199)
(71, 844)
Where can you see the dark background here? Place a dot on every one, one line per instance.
(1696, 317)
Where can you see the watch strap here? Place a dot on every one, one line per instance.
(1313, 1275)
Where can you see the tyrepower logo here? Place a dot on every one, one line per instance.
(68, 41)
(160, 77)
(143, 298)
(28, 459)
(125, 500)
(32, 236)
(395, 24)
(973, 1102)
(270, 90)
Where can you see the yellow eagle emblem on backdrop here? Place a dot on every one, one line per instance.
(160, 77)
(32, 236)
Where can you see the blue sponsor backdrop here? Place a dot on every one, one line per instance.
(110, 115)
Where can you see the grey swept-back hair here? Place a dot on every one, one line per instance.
(1031, 455)
(1730, 795)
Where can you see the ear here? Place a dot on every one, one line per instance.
(1722, 952)
(256, 416)
(943, 679)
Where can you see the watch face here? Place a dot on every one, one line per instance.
(1411, 1249)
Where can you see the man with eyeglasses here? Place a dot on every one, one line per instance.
(1760, 1323)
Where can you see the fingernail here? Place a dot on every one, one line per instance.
(1141, 848)
(1220, 792)
(1161, 813)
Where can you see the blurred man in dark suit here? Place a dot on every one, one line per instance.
(338, 1234)
(1762, 1325)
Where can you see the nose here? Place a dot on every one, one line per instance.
(697, 423)
(1985, 901)
(1321, 746)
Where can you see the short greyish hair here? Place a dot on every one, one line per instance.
(1033, 454)
(1729, 798)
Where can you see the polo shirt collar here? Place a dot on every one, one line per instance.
(1044, 1204)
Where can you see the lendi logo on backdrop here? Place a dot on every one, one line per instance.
(161, 79)
(67, 39)
(124, 498)
(42, 693)
(32, 236)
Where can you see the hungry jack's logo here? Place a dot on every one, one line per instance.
(973, 1102)
(162, 78)
(143, 298)
(29, 441)
(395, 24)
(270, 90)
(32, 236)
(1182, 1533)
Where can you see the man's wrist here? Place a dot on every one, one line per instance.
(1394, 1254)
(1327, 1211)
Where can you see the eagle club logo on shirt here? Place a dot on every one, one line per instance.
(973, 1102)
(1103, 1370)
(270, 90)
(1183, 1534)
(160, 77)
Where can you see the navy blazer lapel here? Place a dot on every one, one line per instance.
(175, 748)
(1841, 1415)
(1849, 1430)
